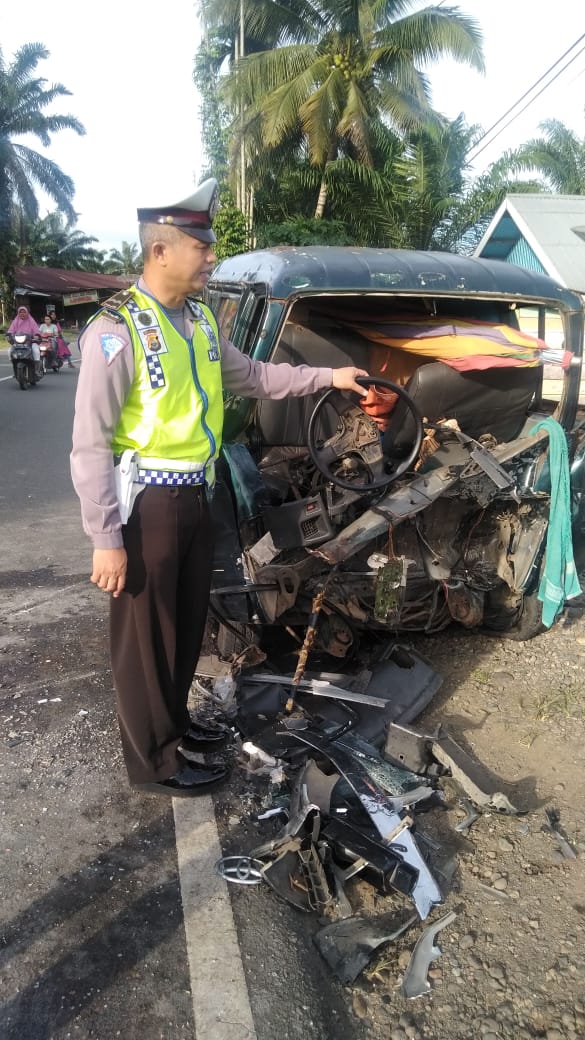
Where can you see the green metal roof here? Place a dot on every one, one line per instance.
(540, 232)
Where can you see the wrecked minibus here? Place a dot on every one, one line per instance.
(439, 498)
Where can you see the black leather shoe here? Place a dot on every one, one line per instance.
(191, 779)
(204, 738)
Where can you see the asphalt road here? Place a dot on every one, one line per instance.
(113, 923)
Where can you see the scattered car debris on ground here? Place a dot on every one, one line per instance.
(354, 790)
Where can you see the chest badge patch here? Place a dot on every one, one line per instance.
(145, 318)
(111, 345)
(153, 341)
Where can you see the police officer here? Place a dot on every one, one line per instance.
(147, 431)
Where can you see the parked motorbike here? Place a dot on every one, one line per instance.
(49, 357)
(25, 369)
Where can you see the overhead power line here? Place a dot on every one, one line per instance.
(544, 75)
(530, 89)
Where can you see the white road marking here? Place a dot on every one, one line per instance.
(221, 1006)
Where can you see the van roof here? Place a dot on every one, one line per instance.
(292, 271)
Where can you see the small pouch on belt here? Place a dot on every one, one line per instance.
(126, 490)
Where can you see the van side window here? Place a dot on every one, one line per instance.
(254, 322)
(225, 309)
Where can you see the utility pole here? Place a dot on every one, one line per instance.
(242, 148)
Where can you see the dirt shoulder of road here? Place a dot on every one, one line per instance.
(513, 962)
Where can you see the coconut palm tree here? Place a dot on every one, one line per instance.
(466, 222)
(438, 204)
(127, 260)
(339, 65)
(231, 29)
(51, 242)
(417, 195)
(558, 157)
(23, 171)
(427, 181)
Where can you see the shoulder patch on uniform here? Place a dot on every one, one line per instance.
(119, 299)
(112, 345)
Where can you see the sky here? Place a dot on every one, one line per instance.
(128, 67)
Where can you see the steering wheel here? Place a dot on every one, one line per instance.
(355, 449)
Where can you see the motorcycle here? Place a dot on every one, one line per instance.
(25, 369)
(49, 357)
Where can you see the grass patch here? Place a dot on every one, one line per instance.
(566, 703)
(383, 969)
(479, 675)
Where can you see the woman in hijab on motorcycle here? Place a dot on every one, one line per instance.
(25, 325)
(62, 347)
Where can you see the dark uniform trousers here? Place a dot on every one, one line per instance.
(157, 624)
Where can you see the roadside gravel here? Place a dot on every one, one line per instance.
(513, 962)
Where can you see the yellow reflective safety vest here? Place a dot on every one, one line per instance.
(174, 411)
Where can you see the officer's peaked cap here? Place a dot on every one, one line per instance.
(193, 215)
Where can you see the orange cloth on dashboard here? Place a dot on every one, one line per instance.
(392, 363)
(461, 344)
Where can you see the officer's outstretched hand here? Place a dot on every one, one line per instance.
(109, 570)
(344, 379)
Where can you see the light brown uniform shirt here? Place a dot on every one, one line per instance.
(103, 388)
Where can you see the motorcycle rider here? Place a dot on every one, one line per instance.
(63, 351)
(49, 331)
(25, 325)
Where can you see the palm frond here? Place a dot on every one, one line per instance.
(434, 33)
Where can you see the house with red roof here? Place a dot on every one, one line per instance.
(74, 295)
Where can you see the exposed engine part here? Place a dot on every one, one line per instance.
(334, 635)
(465, 604)
(457, 528)
(389, 580)
(502, 545)
(437, 536)
(305, 649)
(284, 596)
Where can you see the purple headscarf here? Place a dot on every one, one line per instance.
(24, 322)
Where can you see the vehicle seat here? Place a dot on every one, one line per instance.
(285, 422)
(493, 400)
